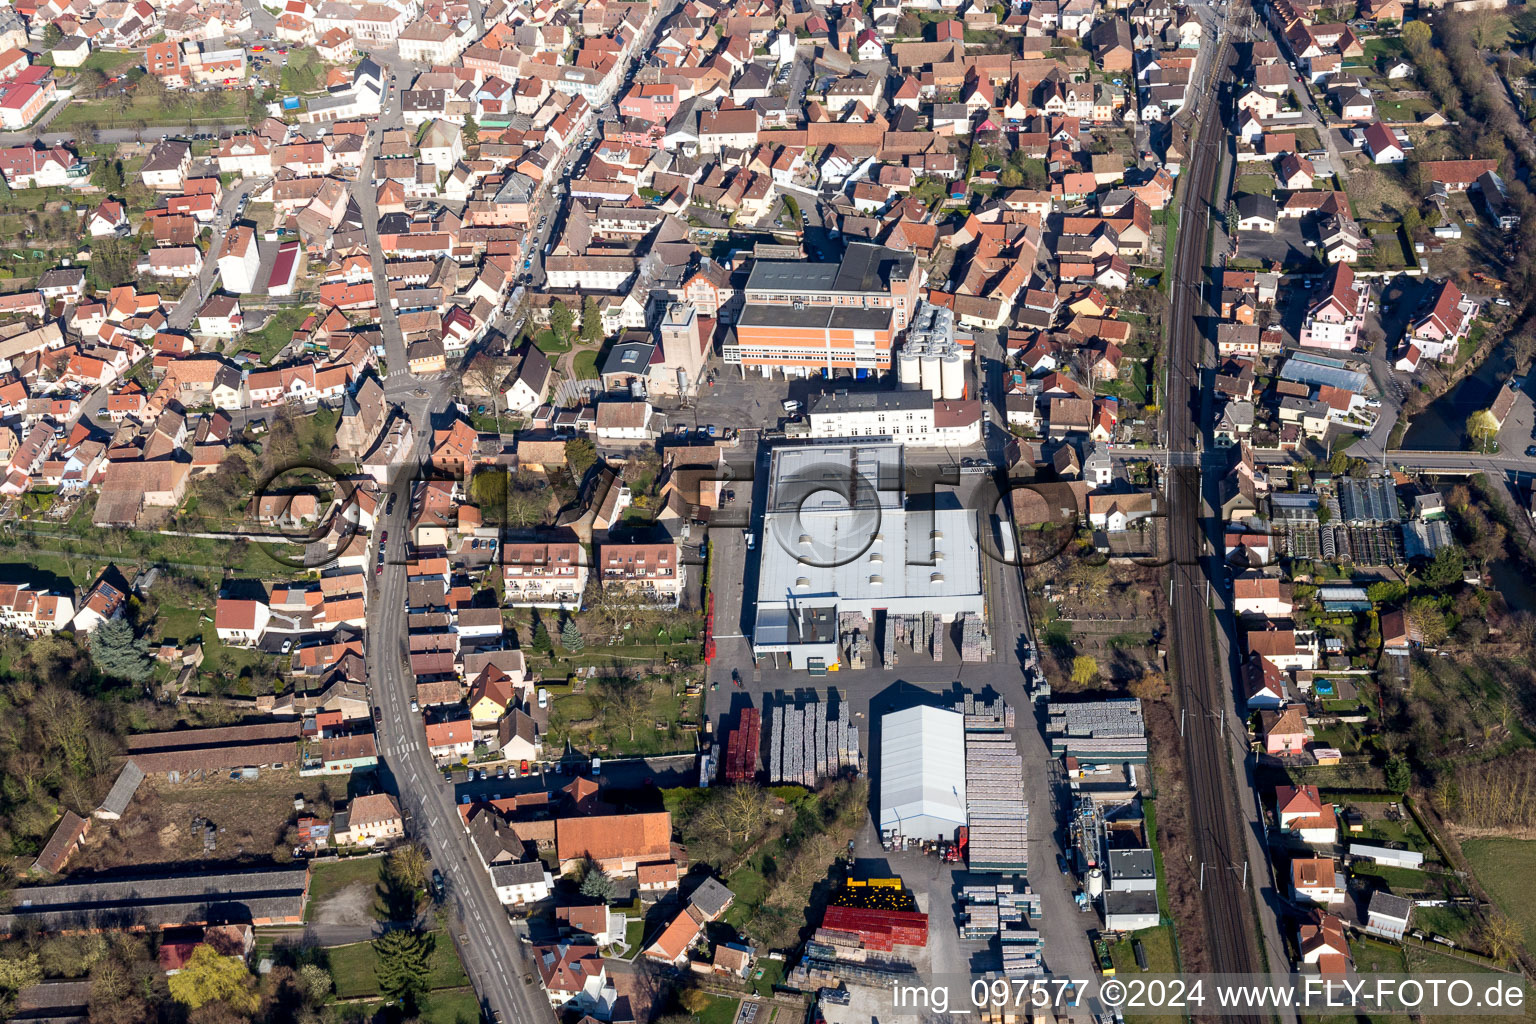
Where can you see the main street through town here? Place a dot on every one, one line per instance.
(488, 941)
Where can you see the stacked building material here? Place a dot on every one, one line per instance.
(1103, 730)
(741, 747)
(995, 715)
(996, 812)
(811, 741)
(980, 923)
(879, 929)
(1008, 913)
(975, 639)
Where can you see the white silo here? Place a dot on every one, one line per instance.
(931, 373)
(908, 366)
(952, 376)
(1095, 883)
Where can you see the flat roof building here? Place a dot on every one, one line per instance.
(804, 318)
(838, 536)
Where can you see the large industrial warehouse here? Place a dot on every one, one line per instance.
(839, 541)
(922, 773)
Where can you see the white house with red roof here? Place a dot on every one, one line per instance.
(1383, 145)
(1333, 321)
(1438, 332)
(241, 621)
(108, 219)
(1323, 944)
(575, 978)
(1302, 812)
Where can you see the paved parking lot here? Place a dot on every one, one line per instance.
(1287, 244)
(734, 401)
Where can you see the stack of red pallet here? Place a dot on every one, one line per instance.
(741, 747)
(879, 929)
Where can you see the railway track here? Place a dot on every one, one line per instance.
(1215, 816)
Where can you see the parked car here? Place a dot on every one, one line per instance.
(414, 705)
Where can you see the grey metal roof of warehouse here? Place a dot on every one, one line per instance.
(1294, 506)
(121, 794)
(872, 401)
(865, 267)
(922, 769)
(1426, 538)
(1343, 597)
(872, 473)
(787, 275)
(176, 899)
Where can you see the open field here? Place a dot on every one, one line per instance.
(1505, 868)
(174, 110)
(345, 892)
(1372, 957)
(251, 819)
(1254, 184)
(596, 720)
(273, 336)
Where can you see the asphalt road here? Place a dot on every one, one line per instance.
(489, 942)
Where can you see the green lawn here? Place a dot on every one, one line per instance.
(1170, 243)
(1372, 957)
(108, 62)
(183, 109)
(274, 334)
(551, 345)
(585, 363)
(352, 967)
(1455, 923)
(1407, 110)
(455, 1006)
(1505, 867)
(1254, 184)
(765, 975)
(634, 934)
(1158, 946)
(330, 877)
(719, 1011)
(1382, 47)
